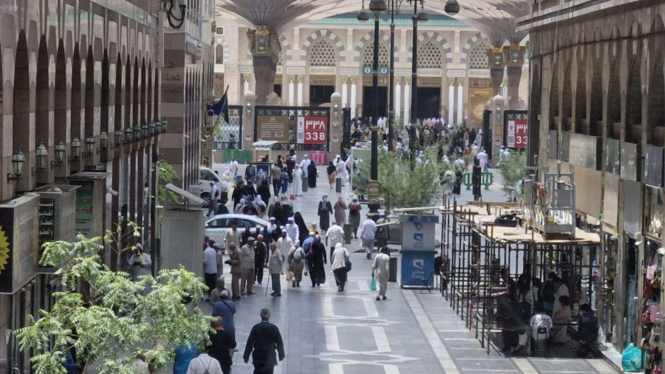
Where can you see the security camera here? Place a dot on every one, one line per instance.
(113, 192)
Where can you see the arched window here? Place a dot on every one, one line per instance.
(322, 53)
(368, 55)
(429, 56)
(219, 54)
(477, 57)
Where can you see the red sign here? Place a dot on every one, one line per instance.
(516, 134)
(312, 130)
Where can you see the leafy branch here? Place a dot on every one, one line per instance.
(117, 319)
(166, 175)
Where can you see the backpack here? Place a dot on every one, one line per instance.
(297, 256)
(206, 371)
(353, 210)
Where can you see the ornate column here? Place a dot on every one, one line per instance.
(514, 57)
(354, 98)
(460, 101)
(451, 100)
(292, 92)
(407, 101)
(497, 65)
(299, 90)
(345, 88)
(263, 43)
(398, 97)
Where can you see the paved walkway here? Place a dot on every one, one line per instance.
(352, 333)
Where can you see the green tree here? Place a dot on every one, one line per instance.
(106, 317)
(166, 175)
(406, 184)
(512, 170)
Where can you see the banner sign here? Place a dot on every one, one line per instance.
(516, 134)
(274, 128)
(312, 130)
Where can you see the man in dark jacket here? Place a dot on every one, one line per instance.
(260, 251)
(263, 340)
(221, 344)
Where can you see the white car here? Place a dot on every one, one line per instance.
(217, 226)
(202, 187)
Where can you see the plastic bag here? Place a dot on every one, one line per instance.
(631, 359)
(372, 284)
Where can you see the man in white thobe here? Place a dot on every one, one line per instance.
(483, 158)
(381, 270)
(368, 234)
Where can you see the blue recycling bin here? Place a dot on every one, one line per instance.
(418, 249)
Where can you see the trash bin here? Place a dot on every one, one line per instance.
(338, 185)
(392, 271)
(348, 233)
(305, 184)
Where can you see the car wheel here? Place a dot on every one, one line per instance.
(206, 199)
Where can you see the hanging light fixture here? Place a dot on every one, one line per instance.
(158, 127)
(76, 149)
(145, 130)
(364, 14)
(60, 149)
(151, 126)
(423, 15)
(129, 133)
(103, 140)
(41, 154)
(90, 145)
(165, 124)
(137, 133)
(118, 137)
(452, 7)
(17, 164)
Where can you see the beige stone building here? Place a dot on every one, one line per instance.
(332, 54)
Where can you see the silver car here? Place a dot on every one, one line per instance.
(217, 226)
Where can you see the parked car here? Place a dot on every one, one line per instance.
(202, 187)
(217, 226)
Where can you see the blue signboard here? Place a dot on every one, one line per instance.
(416, 267)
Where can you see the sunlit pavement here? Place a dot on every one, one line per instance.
(411, 333)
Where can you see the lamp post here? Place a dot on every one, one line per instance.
(377, 7)
(417, 16)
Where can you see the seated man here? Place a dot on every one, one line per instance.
(540, 326)
(587, 331)
(561, 319)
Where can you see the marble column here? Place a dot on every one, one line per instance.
(514, 55)
(345, 88)
(460, 102)
(354, 99)
(292, 93)
(398, 97)
(263, 44)
(497, 65)
(451, 101)
(407, 102)
(300, 93)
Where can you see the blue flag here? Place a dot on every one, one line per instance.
(220, 108)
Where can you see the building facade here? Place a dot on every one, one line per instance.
(335, 54)
(597, 94)
(80, 112)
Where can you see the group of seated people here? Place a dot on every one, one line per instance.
(551, 317)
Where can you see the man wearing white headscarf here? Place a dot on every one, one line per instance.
(292, 229)
(303, 168)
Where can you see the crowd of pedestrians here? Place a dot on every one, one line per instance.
(288, 247)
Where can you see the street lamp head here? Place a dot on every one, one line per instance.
(363, 15)
(60, 150)
(423, 15)
(17, 163)
(41, 154)
(452, 7)
(378, 6)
